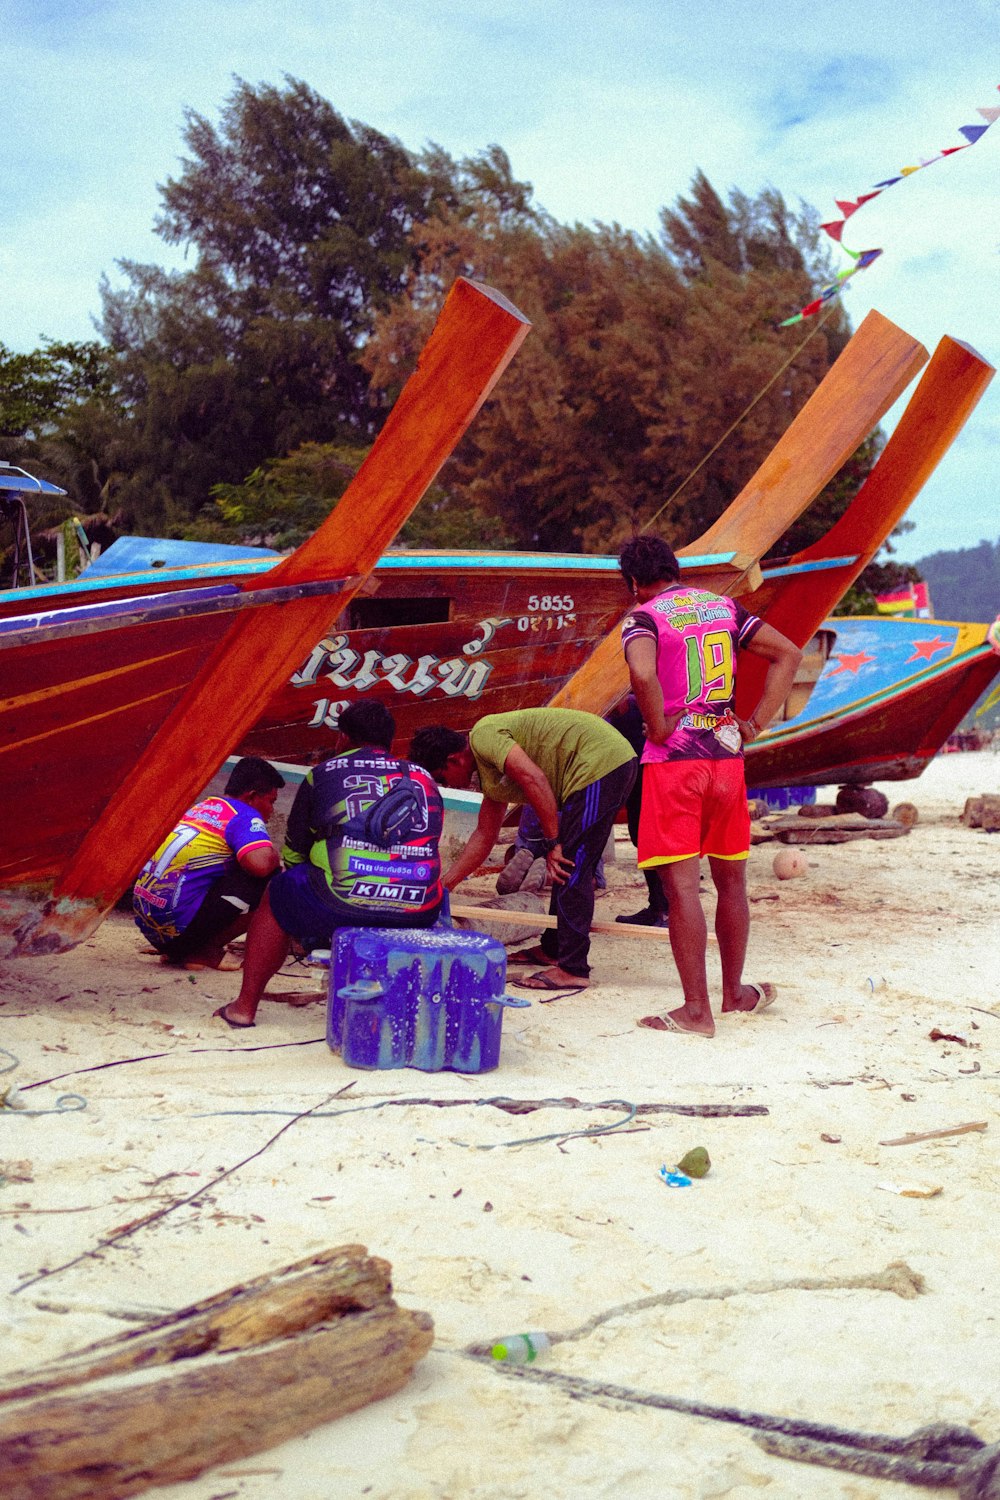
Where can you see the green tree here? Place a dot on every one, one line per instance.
(298, 222)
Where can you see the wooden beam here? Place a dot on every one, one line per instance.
(542, 920)
(875, 368)
(476, 336)
(947, 394)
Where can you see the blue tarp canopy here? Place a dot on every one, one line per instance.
(141, 554)
(26, 484)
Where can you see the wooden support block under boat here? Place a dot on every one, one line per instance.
(248, 1369)
(475, 337)
(875, 368)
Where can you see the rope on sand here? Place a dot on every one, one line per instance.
(939, 1456)
(10, 1097)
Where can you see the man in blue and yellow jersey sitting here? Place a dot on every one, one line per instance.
(196, 893)
(361, 850)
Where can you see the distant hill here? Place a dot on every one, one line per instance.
(964, 585)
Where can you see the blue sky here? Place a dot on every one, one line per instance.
(607, 106)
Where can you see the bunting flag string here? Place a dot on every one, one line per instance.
(849, 206)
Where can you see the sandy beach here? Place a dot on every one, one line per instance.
(492, 1231)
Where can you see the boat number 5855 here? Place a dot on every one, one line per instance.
(547, 604)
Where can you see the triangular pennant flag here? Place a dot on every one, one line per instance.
(990, 113)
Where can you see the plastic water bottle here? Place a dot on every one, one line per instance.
(521, 1348)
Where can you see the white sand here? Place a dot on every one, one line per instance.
(877, 945)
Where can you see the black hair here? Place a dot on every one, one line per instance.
(253, 774)
(432, 745)
(648, 559)
(367, 722)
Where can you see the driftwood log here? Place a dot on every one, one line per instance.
(248, 1368)
(982, 812)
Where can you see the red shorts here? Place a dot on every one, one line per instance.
(691, 808)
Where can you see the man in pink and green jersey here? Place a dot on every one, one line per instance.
(681, 644)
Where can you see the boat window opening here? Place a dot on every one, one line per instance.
(373, 614)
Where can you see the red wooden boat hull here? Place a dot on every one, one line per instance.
(869, 719)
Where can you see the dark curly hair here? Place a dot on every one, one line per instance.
(367, 722)
(648, 559)
(432, 745)
(252, 774)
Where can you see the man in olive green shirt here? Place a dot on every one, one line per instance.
(576, 772)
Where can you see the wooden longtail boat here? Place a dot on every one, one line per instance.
(107, 737)
(889, 695)
(91, 670)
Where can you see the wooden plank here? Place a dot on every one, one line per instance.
(476, 336)
(857, 391)
(541, 920)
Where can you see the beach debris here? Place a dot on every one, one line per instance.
(123, 1231)
(520, 1348)
(675, 1179)
(838, 828)
(246, 1369)
(936, 1135)
(937, 1035)
(911, 1189)
(831, 1140)
(696, 1162)
(16, 1171)
(789, 864)
(906, 813)
(982, 812)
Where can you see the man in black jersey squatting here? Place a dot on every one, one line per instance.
(361, 850)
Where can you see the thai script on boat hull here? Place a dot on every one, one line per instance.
(336, 660)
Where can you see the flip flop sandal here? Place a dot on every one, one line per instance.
(764, 999)
(667, 1023)
(557, 991)
(236, 1025)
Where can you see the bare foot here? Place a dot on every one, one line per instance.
(534, 955)
(228, 964)
(752, 997)
(680, 1020)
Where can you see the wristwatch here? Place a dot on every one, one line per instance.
(549, 844)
